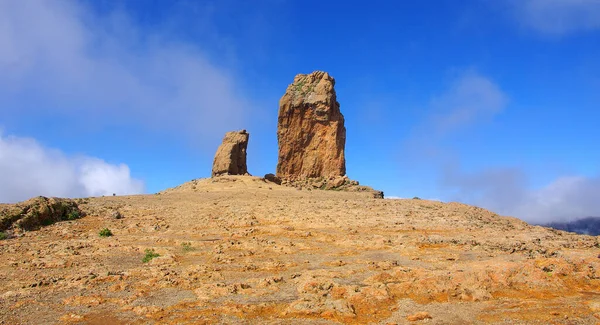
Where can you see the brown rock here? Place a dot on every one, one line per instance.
(418, 316)
(377, 194)
(310, 130)
(230, 158)
(272, 178)
(37, 212)
(337, 182)
(116, 215)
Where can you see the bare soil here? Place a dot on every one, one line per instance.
(239, 250)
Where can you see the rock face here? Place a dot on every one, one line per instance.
(37, 212)
(230, 158)
(310, 131)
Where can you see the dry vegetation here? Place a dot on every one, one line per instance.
(242, 250)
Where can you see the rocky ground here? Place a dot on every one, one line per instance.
(239, 250)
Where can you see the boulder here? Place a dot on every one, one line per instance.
(337, 182)
(273, 179)
(311, 134)
(230, 158)
(37, 212)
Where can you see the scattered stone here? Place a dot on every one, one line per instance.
(337, 182)
(377, 194)
(116, 215)
(418, 316)
(230, 158)
(340, 183)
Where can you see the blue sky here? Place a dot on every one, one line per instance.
(492, 103)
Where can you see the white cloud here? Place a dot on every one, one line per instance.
(471, 98)
(28, 169)
(507, 192)
(474, 99)
(60, 57)
(565, 199)
(497, 189)
(558, 17)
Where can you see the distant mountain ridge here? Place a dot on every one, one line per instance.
(585, 226)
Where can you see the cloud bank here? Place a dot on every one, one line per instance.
(558, 17)
(507, 192)
(108, 69)
(475, 99)
(28, 169)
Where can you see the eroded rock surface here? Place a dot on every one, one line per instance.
(230, 158)
(310, 131)
(243, 250)
(338, 183)
(37, 212)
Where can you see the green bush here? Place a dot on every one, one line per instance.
(150, 254)
(3, 236)
(105, 232)
(74, 215)
(416, 198)
(187, 246)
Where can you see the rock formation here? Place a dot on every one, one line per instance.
(37, 212)
(230, 158)
(310, 131)
(273, 179)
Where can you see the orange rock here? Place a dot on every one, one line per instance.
(338, 292)
(310, 131)
(418, 316)
(230, 158)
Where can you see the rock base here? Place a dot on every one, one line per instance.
(340, 183)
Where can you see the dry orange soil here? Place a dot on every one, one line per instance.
(238, 250)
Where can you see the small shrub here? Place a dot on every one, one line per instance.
(299, 85)
(150, 254)
(416, 198)
(187, 246)
(3, 235)
(105, 232)
(74, 215)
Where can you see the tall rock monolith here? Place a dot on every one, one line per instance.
(310, 131)
(230, 158)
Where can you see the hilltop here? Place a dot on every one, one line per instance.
(240, 249)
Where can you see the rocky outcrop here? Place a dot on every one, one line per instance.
(310, 131)
(273, 179)
(338, 183)
(37, 212)
(230, 158)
